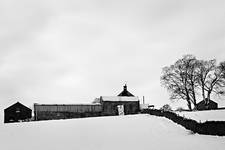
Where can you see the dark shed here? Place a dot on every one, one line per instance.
(17, 112)
(207, 105)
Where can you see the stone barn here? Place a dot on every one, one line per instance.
(207, 105)
(123, 104)
(116, 105)
(17, 112)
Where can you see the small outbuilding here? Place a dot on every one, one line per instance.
(207, 105)
(16, 113)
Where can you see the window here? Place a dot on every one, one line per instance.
(17, 110)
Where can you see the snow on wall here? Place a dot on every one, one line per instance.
(201, 116)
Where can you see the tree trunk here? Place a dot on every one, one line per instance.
(209, 94)
(203, 92)
(188, 99)
(194, 97)
(189, 105)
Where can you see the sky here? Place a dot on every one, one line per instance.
(71, 51)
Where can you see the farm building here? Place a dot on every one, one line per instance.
(124, 103)
(119, 105)
(207, 105)
(66, 111)
(17, 112)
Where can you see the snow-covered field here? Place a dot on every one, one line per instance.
(137, 132)
(201, 116)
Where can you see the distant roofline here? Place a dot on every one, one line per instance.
(66, 104)
(208, 100)
(119, 98)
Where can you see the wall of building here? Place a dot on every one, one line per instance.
(203, 106)
(106, 108)
(45, 115)
(17, 113)
(49, 112)
(110, 107)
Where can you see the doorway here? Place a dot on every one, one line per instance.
(120, 109)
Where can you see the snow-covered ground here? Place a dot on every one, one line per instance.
(201, 116)
(137, 132)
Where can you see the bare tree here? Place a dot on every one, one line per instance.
(203, 72)
(192, 79)
(172, 80)
(166, 107)
(188, 77)
(215, 82)
(180, 80)
(211, 78)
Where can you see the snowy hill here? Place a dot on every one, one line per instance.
(201, 116)
(136, 132)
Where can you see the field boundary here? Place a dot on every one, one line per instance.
(206, 128)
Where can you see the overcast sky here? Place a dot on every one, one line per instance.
(74, 51)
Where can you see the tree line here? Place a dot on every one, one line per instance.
(190, 78)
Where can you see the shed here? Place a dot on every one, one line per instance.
(207, 105)
(113, 105)
(65, 111)
(17, 112)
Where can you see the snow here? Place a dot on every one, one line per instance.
(144, 106)
(119, 98)
(202, 116)
(132, 132)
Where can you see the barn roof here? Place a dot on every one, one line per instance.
(17, 104)
(206, 102)
(119, 98)
(125, 92)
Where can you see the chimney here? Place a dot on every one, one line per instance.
(125, 87)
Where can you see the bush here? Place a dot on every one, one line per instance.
(166, 107)
(180, 109)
